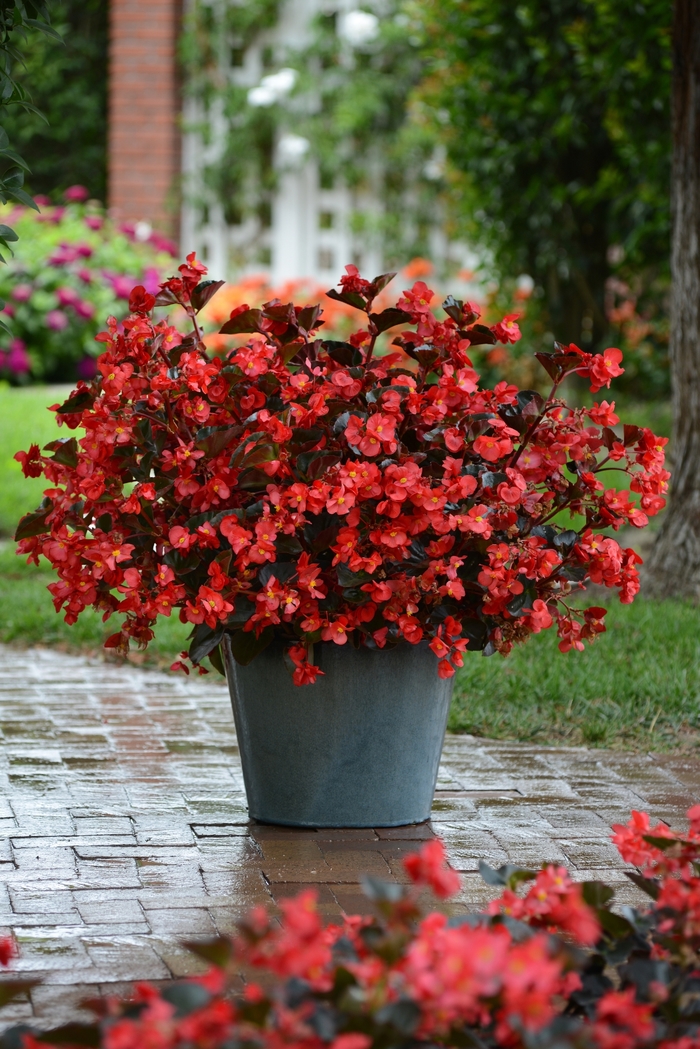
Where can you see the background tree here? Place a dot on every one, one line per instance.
(674, 565)
(16, 18)
(555, 116)
(68, 85)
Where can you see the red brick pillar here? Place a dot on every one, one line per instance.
(144, 107)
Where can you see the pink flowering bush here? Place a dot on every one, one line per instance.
(70, 268)
(311, 490)
(549, 964)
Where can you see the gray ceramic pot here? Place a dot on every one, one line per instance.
(359, 748)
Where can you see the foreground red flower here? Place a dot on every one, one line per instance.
(320, 492)
(550, 966)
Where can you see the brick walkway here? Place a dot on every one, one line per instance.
(123, 826)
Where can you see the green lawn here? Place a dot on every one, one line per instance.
(23, 420)
(637, 687)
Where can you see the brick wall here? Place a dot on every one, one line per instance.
(144, 106)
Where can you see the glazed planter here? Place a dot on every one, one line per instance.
(359, 748)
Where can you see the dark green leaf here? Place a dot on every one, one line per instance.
(243, 324)
(31, 524)
(186, 997)
(389, 318)
(77, 403)
(480, 335)
(348, 578)
(165, 297)
(350, 298)
(73, 1034)
(651, 888)
(508, 875)
(566, 540)
(281, 570)
(453, 308)
(216, 660)
(217, 952)
(245, 646)
(342, 352)
(659, 842)
(597, 893)
(379, 283)
(205, 639)
(385, 891)
(213, 439)
(204, 292)
(403, 1014)
(614, 924)
(10, 989)
(308, 318)
(65, 451)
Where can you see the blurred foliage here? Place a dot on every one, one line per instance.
(68, 83)
(239, 175)
(555, 115)
(349, 101)
(71, 269)
(357, 120)
(537, 132)
(16, 18)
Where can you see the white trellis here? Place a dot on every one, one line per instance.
(309, 234)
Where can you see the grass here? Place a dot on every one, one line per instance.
(23, 420)
(638, 687)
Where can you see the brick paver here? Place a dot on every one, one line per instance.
(123, 824)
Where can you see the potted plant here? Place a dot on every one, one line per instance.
(331, 518)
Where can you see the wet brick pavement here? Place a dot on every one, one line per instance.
(123, 825)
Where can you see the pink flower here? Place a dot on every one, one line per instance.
(22, 292)
(56, 320)
(76, 194)
(67, 296)
(18, 359)
(84, 309)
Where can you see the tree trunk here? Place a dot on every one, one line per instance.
(674, 564)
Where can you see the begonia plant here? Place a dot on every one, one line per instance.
(318, 491)
(548, 965)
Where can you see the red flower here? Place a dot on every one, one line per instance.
(336, 630)
(429, 867)
(417, 300)
(7, 950)
(369, 489)
(507, 330)
(140, 301)
(603, 367)
(492, 448)
(30, 461)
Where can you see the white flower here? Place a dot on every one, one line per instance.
(358, 28)
(272, 88)
(291, 149)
